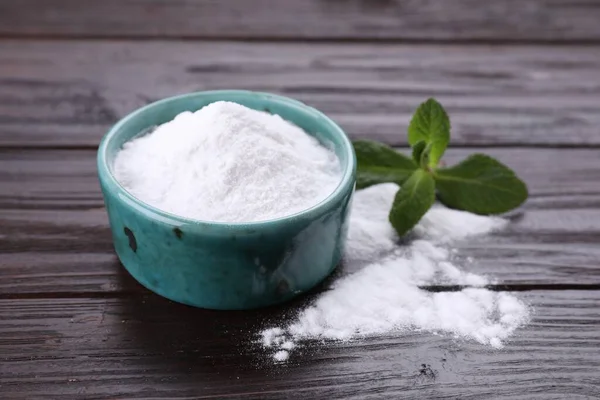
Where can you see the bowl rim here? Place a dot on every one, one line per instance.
(345, 185)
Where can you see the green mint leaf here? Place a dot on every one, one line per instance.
(426, 157)
(378, 163)
(412, 201)
(480, 184)
(417, 151)
(421, 153)
(431, 124)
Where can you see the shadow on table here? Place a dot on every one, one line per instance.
(191, 340)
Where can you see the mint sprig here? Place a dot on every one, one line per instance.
(480, 184)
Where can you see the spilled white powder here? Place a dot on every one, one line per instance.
(281, 355)
(228, 163)
(385, 296)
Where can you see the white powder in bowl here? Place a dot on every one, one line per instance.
(387, 296)
(228, 163)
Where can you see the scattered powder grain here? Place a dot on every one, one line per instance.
(228, 163)
(385, 295)
(281, 355)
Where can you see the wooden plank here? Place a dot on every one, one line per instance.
(66, 179)
(54, 235)
(516, 20)
(151, 348)
(67, 252)
(65, 93)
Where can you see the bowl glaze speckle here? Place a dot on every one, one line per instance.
(227, 265)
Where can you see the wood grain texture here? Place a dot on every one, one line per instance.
(67, 179)
(55, 240)
(55, 253)
(441, 20)
(74, 324)
(136, 348)
(64, 93)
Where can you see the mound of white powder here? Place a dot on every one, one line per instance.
(228, 163)
(387, 296)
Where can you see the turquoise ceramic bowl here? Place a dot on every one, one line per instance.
(224, 265)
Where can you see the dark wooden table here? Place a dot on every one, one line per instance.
(520, 79)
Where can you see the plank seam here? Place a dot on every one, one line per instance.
(430, 288)
(291, 40)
